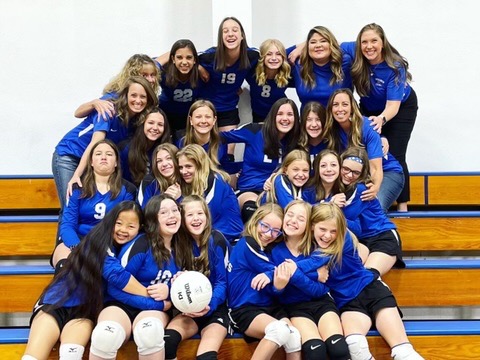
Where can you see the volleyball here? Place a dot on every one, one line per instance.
(191, 292)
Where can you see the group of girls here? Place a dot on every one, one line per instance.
(116, 282)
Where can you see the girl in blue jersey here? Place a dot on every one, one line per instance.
(289, 183)
(325, 183)
(366, 218)
(164, 178)
(136, 153)
(269, 79)
(362, 298)
(309, 306)
(202, 129)
(103, 189)
(70, 156)
(322, 67)
(200, 176)
(180, 82)
(381, 78)
(153, 259)
(69, 306)
(209, 255)
(265, 145)
(137, 65)
(312, 132)
(251, 293)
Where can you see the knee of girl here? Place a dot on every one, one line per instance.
(71, 352)
(314, 349)
(405, 352)
(172, 340)
(278, 332)
(294, 342)
(148, 335)
(358, 347)
(107, 337)
(337, 347)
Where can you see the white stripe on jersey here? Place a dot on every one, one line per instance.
(263, 257)
(86, 130)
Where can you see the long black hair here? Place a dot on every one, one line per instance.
(82, 273)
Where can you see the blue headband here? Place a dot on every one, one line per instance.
(355, 158)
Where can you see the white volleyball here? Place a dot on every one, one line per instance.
(191, 292)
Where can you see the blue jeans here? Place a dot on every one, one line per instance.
(392, 186)
(63, 168)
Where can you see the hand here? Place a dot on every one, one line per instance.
(281, 276)
(74, 180)
(198, 313)
(204, 74)
(260, 281)
(295, 54)
(385, 146)
(291, 265)
(158, 292)
(267, 186)
(370, 193)
(339, 199)
(174, 277)
(104, 108)
(322, 274)
(376, 122)
(174, 191)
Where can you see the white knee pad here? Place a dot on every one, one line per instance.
(148, 335)
(71, 352)
(405, 351)
(277, 331)
(358, 347)
(107, 337)
(28, 357)
(294, 342)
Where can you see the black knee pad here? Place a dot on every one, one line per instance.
(209, 355)
(172, 340)
(337, 348)
(60, 264)
(314, 349)
(248, 209)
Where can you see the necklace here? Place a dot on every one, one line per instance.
(372, 69)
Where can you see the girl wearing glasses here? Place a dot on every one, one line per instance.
(362, 298)
(209, 253)
(366, 218)
(200, 176)
(250, 292)
(153, 259)
(309, 306)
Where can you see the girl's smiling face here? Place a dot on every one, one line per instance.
(325, 233)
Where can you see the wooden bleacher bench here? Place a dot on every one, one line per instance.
(443, 339)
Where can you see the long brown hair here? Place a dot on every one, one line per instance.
(220, 52)
(164, 183)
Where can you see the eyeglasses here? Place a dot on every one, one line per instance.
(166, 212)
(265, 228)
(346, 170)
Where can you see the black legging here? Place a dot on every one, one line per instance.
(398, 131)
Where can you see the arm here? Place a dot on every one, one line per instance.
(376, 173)
(139, 302)
(296, 52)
(217, 261)
(103, 108)
(69, 224)
(115, 274)
(163, 59)
(391, 109)
(97, 136)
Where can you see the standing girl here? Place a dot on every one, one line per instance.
(269, 79)
(103, 189)
(381, 78)
(69, 306)
(209, 255)
(252, 309)
(265, 145)
(363, 299)
(153, 259)
(200, 176)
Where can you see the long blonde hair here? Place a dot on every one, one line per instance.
(283, 73)
(259, 214)
(305, 244)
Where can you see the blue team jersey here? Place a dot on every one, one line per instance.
(365, 218)
(370, 140)
(262, 97)
(177, 100)
(218, 254)
(224, 209)
(389, 163)
(223, 87)
(76, 140)
(148, 188)
(80, 215)
(345, 281)
(300, 288)
(138, 260)
(247, 261)
(257, 167)
(322, 75)
(284, 191)
(384, 85)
